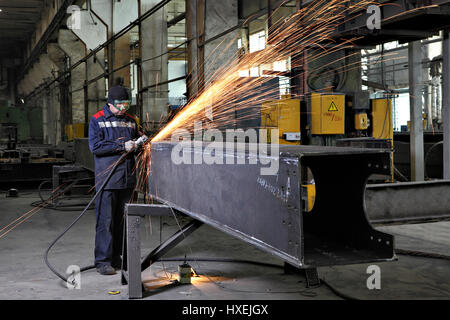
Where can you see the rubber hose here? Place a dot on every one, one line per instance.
(78, 218)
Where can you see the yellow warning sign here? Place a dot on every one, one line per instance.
(333, 107)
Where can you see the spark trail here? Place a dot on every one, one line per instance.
(309, 29)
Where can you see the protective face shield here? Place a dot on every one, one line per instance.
(122, 105)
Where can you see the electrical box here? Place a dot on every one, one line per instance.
(327, 113)
(283, 114)
(361, 121)
(382, 127)
(74, 131)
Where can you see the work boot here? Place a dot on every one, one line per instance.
(106, 270)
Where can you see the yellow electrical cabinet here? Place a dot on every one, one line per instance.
(327, 113)
(283, 114)
(382, 127)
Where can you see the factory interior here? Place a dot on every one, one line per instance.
(237, 109)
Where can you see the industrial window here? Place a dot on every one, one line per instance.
(257, 41)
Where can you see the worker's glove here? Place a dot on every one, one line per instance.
(143, 139)
(130, 145)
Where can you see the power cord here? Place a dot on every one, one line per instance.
(139, 142)
(113, 169)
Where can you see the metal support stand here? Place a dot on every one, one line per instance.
(312, 277)
(133, 275)
(311, 274)
(68, 172)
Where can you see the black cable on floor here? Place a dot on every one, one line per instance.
(113, 169)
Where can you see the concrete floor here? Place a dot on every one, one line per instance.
(23, 274)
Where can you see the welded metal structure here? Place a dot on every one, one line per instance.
(408, 202)
(267, 210)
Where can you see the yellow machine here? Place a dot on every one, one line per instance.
(382, 127)
(327, 113)
(73, 131)
(327, 118)
(283, 114)
(424, 121)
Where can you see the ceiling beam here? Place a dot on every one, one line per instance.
(12, 22)
(29, 15)
(13, 26)
(22, 3)
(6, 9)
(17, 35)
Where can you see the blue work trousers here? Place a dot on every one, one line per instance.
(109, 209)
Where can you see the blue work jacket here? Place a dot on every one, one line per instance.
(107, 136)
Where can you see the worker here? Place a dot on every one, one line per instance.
(111, 133)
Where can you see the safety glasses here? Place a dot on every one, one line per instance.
(122, 104)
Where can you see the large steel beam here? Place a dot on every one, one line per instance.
(409, 202)
(267, 210)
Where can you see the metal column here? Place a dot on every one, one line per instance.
(415, 98)
(446, 101)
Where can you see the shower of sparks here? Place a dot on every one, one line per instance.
(234, 98)
(228, 94)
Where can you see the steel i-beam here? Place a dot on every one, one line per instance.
(267, 210)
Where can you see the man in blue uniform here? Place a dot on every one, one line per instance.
(111, 133)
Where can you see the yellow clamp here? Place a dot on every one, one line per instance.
(114, 292)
